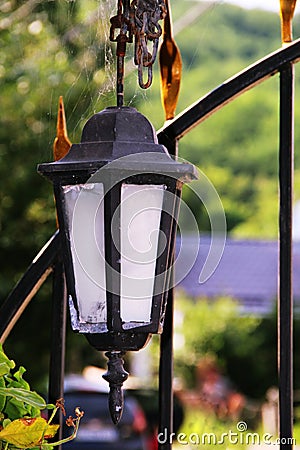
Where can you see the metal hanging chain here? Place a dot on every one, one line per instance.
(121, 22)
(147, 13)
(139, 19)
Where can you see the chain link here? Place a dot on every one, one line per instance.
(139, 19)
(147, 13)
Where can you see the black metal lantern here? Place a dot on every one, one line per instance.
(117, 196)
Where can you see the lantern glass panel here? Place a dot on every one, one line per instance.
(141, 209)
(85, 217)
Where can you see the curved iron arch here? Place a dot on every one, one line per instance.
(227, 92)
(38, 271)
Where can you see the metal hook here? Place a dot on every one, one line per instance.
(140, 74)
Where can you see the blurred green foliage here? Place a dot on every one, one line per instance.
(216, 328)
(245, 347)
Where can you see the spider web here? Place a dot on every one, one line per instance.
(105, 95)
(104, 74)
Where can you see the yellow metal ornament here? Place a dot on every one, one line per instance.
(62, 144)
(287, 8)
(170, 68)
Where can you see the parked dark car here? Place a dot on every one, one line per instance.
(96, 430)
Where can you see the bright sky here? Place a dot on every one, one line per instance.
(272, 5)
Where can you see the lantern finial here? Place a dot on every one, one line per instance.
(115, 376)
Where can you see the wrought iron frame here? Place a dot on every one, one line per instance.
(49, 260)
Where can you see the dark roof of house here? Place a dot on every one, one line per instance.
(247, 271)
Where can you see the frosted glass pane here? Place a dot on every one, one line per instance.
(141, 207)
(85, 213)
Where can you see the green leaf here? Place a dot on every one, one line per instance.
(15, 409)
(4, 368)
(28, 433)
(50, 406)
(19, 382)
(2, 397)
(5, 360)
(29, 397)
(6, 422)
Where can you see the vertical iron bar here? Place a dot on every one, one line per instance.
(165, 427)
(122, 39)
(58, 340)
(112, 200)
(120, 75)
(285, 303)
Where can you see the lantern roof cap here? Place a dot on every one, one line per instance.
(118, 124)
(118, 135)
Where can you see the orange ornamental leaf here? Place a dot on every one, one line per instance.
(170, 70)
(170, 67)
(62, 144)
(287, 9)
(27, 433)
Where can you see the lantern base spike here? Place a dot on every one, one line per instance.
(115, 376)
